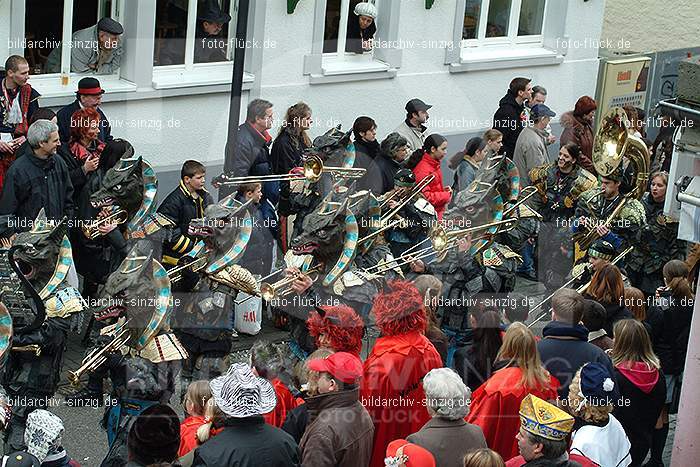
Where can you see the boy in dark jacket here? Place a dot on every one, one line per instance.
(188, 201)
(258, 254)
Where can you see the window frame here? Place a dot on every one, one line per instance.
(342, 66)
(18, 8)
(190, 38)
(138, 19)
(510, 51)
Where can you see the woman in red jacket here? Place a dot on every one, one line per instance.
(425, 162)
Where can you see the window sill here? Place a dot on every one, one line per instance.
(494, 58)
(351, 68)
(173, 77)
(170, 82)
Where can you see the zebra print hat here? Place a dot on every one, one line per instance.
(239, 393)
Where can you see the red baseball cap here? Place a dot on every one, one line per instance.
(343, 366)
(410, 454)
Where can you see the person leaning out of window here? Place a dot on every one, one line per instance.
(97, 49)
(361, 28)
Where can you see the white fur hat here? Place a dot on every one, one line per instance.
(366, 9)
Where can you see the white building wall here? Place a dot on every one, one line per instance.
(195, 126)
(645, 25)
(4, 26)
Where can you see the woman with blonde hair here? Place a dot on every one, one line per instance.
(608, 289)
(195, 401)
(642, 385)
(598, 435)
(518, 372)
(669, 320)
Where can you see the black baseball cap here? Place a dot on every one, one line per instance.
(111, 26)
(20, 459)
(416, 105)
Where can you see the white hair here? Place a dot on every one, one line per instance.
(446, 395)
(40, 131)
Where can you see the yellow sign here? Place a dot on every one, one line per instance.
(623, 82)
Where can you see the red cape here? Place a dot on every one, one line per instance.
(285, 403)
(495, 406)
(392, 389)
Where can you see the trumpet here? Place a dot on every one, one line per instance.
(175, 274)
(92, 229)
(34, 348)
(313, 169)
(282, 287)
(98, 357)
(442, 238)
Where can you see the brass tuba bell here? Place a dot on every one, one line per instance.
(615, 142)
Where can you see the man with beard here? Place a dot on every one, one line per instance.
(559, 185)
(37, 180)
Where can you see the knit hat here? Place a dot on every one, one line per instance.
(366, 9)
(401, 452)
(584, 105)
(43, 434)
(601, 249)
(20, 459)
(597, 385)
(155, 435)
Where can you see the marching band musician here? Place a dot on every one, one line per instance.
(656, 242)
(418, 213)
(597, 205)
(559, 186)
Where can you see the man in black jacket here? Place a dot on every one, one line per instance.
(89, 94)
(509, 119)
(393, 151)
(246, 440)
(37, 180)
(564, 348)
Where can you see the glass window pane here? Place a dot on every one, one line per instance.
(472, 13)
(531, 16)
(498, 18)
(211, 35)
(331, 26)
(43, 31)
(171, 31)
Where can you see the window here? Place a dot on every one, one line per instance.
(342, 12)
(44, 35)
(337, 51)
(184, 37)
(502, 21)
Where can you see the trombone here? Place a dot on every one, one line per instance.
(580, 290)
(33, 348)
(92, 229)
(175, 274)
(98, 357)
(313, 169)
(442, 239)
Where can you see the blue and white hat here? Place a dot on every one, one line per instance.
(240, 394)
